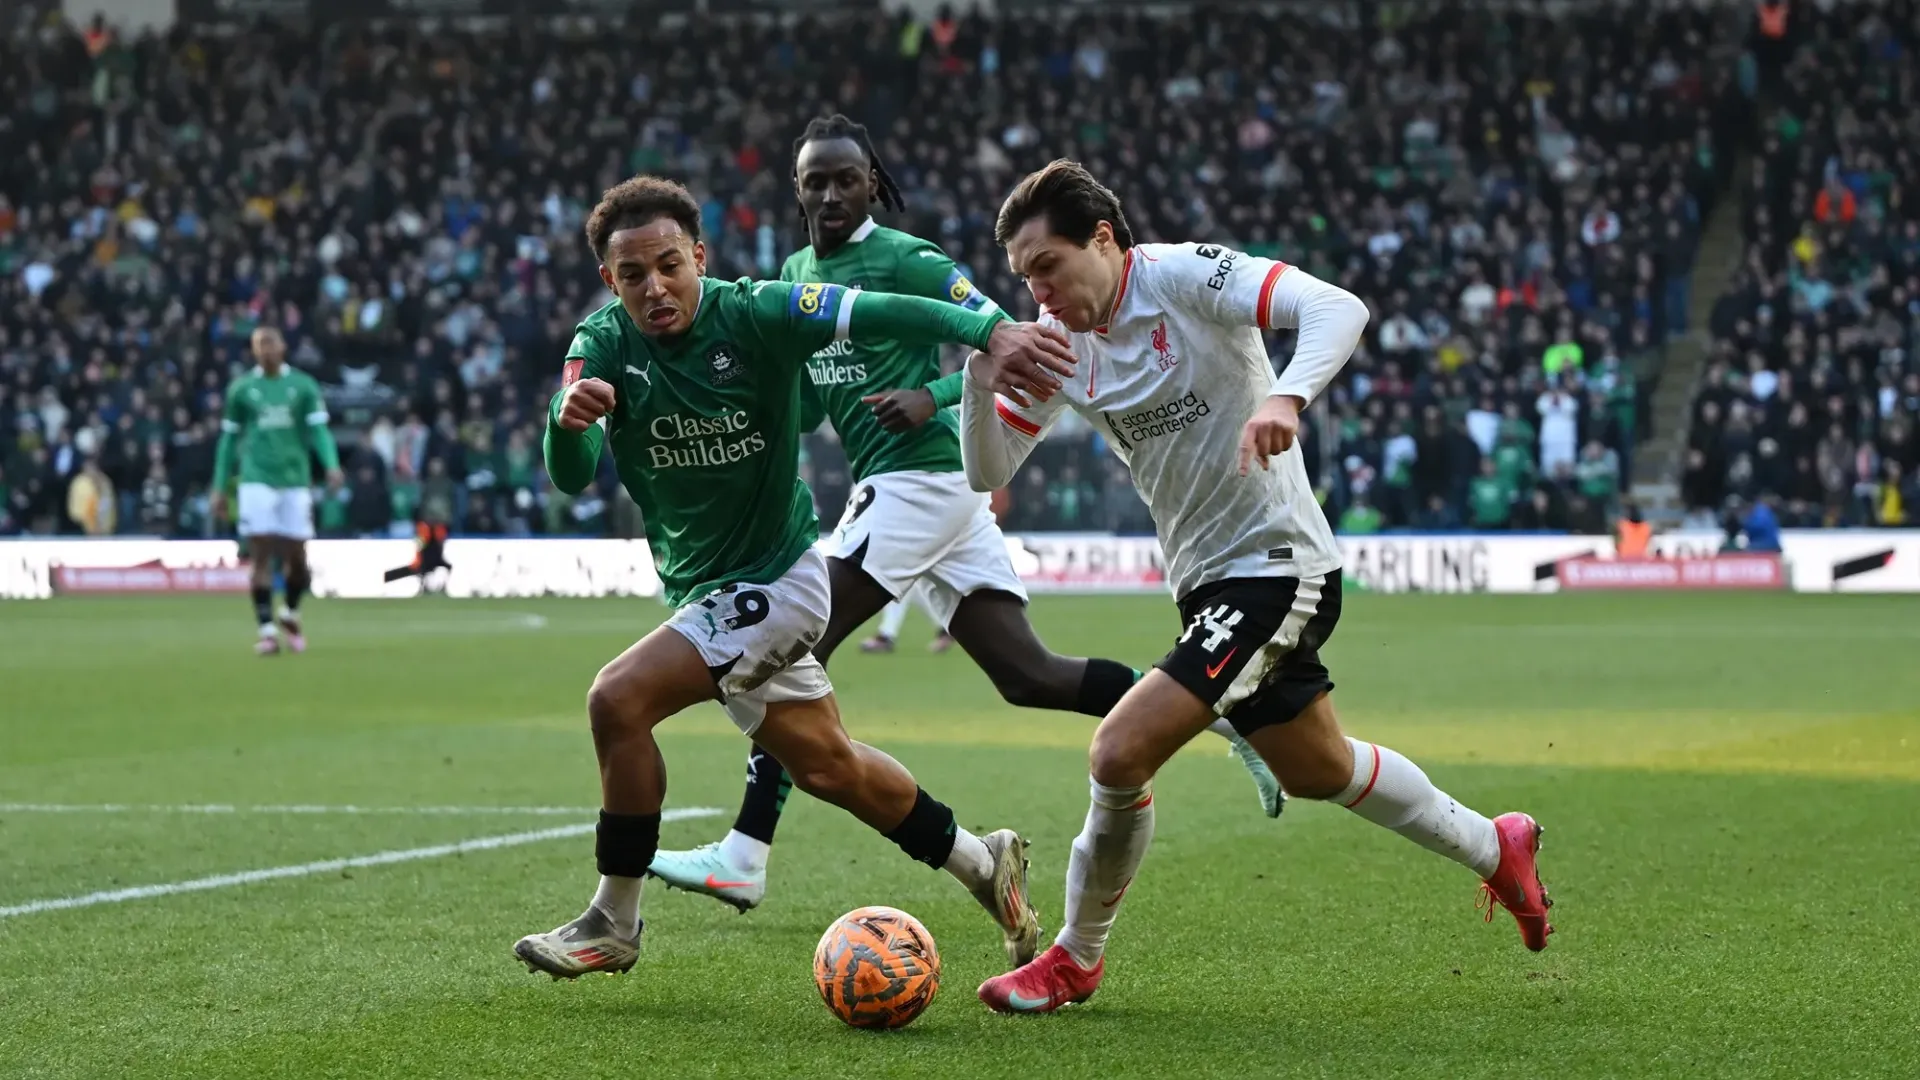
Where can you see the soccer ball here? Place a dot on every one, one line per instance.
(877, 967)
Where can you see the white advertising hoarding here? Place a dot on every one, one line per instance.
(1816, 561)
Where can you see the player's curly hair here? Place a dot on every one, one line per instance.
(637, 201)
(840, 126)
(1071, 200)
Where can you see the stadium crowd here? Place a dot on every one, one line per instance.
(1811, 400)
(1518, 199)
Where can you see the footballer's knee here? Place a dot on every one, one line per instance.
(619, 703)
(1118, 759)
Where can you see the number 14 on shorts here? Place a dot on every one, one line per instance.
(1218, 621)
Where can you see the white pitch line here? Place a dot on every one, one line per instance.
(222, 881)
(296, 808)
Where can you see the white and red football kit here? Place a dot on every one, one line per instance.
(1170, 379)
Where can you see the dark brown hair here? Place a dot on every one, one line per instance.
(637, 201)
(1071, 200)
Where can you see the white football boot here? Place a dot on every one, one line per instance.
(581, 947)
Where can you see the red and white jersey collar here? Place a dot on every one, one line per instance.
(1119, 295)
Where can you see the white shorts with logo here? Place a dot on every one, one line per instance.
(758, 639)
(272, 511)
(926, 532)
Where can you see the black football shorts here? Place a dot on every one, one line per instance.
(1251, 646)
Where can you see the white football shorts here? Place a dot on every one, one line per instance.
(272, 511)
(759, 639)
(924, 531)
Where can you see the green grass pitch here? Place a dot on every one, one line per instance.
(1730, 786)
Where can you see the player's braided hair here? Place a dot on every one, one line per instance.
(840, 126)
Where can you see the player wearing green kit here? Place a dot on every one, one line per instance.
(275, 418)
(912, 525)
(695, 385)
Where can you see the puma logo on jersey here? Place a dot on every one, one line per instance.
(645, 375)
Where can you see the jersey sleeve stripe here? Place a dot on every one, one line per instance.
(231, 427)
(1015, 421)
(843, 323)
(318, 416)
(1264, 316)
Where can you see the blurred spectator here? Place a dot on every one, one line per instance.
(1812, 391)
(1502, 186)
(370, 508)
(1633, 533)
(1360, 519)
(156, 500)
(90, 500)
(1490, 500)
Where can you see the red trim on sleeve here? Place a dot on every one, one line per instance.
(1014, 420)
(1264, 313)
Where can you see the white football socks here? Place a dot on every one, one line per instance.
(1106, 855)
(619, 899)
(1391, 791)
(970, 861)
(743, 852)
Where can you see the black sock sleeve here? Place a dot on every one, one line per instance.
(927, 834)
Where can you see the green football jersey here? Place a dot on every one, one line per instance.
(705, 429)
(885, 260)
(276, 422)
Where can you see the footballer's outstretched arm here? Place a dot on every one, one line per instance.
(928, 271)
(1328, 320)
(800, 318)
(1232, 288)
(916, 321)
(996, 435)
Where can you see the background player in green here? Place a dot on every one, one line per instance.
(695, 383)
(274, 418)
(912, 523)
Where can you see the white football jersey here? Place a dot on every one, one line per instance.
(1170, 380)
